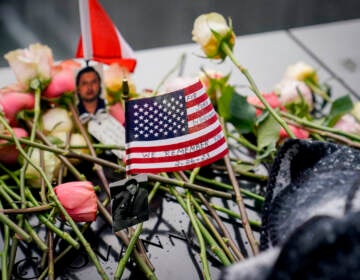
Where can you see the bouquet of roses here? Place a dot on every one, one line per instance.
(42, 141)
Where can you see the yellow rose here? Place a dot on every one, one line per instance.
(32, 63)
(210, 31)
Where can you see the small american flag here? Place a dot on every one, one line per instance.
(172, 132)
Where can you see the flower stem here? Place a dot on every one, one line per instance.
(320, 127)
(98, 168)
(4, 252)
(229, 187)
(225, 47)
(218, 221)
(203, 256)
(212, 243)
(212, 229)
(53, 197)
(241, 206)
(13, 226)
(243, 141)
(28, 210)
(229, 239)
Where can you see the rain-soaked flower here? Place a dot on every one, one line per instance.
(301, 71)
(57, 119)
(8, 151)
(12, 102)
(210, 31)
(294, 91)
(79, 200)
(31, 64)
(62, 79)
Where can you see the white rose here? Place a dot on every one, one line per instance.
(203, 34)
(290, 91)
(301, 71)
(51, 167)
(32, 63)
(57, 119)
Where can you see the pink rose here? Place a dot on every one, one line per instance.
(8, 151)
(349, 124)
(12, 102)
(117, 111)
(79, 200)
(62, 79)
(298, 132)
(271, 98)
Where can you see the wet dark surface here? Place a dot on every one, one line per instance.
(169, 241)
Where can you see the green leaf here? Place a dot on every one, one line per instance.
(268, 133)
(235, 109)
(339, 107)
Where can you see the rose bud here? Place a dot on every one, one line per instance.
(210, 31)
(116, 110)
(207, 78)
(63, 79)
(301, 71)
(349, 124)
(57, 119)
(8, 151)
(51, 167)
(32, 63)
(271, 98)
(79, 200)
(12, 102)
(293, 91)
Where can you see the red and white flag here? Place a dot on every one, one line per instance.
(100, 40)
(172, 132)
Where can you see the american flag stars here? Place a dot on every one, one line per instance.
(158, 118)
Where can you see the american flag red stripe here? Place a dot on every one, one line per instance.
(149, 121)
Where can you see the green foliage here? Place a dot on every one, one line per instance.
(339, 107)
(235, 109)
(268, 133)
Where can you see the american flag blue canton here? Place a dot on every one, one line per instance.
(159, 117)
